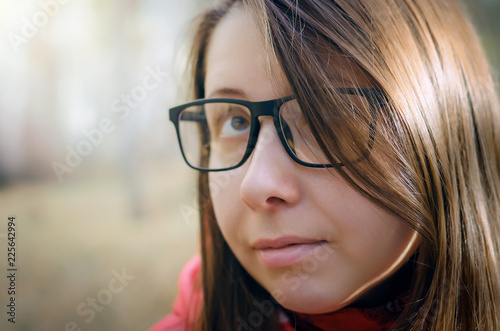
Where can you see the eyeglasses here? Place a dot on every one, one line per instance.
(220, 134)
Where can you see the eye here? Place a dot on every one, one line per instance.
(233, 126)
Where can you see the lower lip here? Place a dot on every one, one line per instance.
(288, 255)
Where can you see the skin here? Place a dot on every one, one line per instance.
(271, 196)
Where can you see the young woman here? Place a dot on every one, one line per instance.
(349, 157)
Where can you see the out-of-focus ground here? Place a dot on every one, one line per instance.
(71, 236)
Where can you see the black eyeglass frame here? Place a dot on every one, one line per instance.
(272, 108)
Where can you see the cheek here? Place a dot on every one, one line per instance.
(377, 244)
(366, 231)
(225, 195)
(381, 244)
(372, 242)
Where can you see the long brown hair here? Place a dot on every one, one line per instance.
(440, 166)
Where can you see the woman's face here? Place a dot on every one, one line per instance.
(306, 236)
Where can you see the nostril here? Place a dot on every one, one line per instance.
(274, 200)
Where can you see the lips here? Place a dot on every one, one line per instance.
(282, 242)
(285, 251)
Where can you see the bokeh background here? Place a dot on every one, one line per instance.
(127, 205)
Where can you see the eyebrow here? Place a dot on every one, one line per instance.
(227, 91)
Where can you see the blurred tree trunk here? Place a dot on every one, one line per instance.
(485, 15)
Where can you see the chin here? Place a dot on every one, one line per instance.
(316, 308)
(309, 301)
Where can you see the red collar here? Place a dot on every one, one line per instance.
(352, 319)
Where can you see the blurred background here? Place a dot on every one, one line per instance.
(89, 164)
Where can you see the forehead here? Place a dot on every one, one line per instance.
(236, 59)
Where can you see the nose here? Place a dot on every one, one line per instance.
(271, 179)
